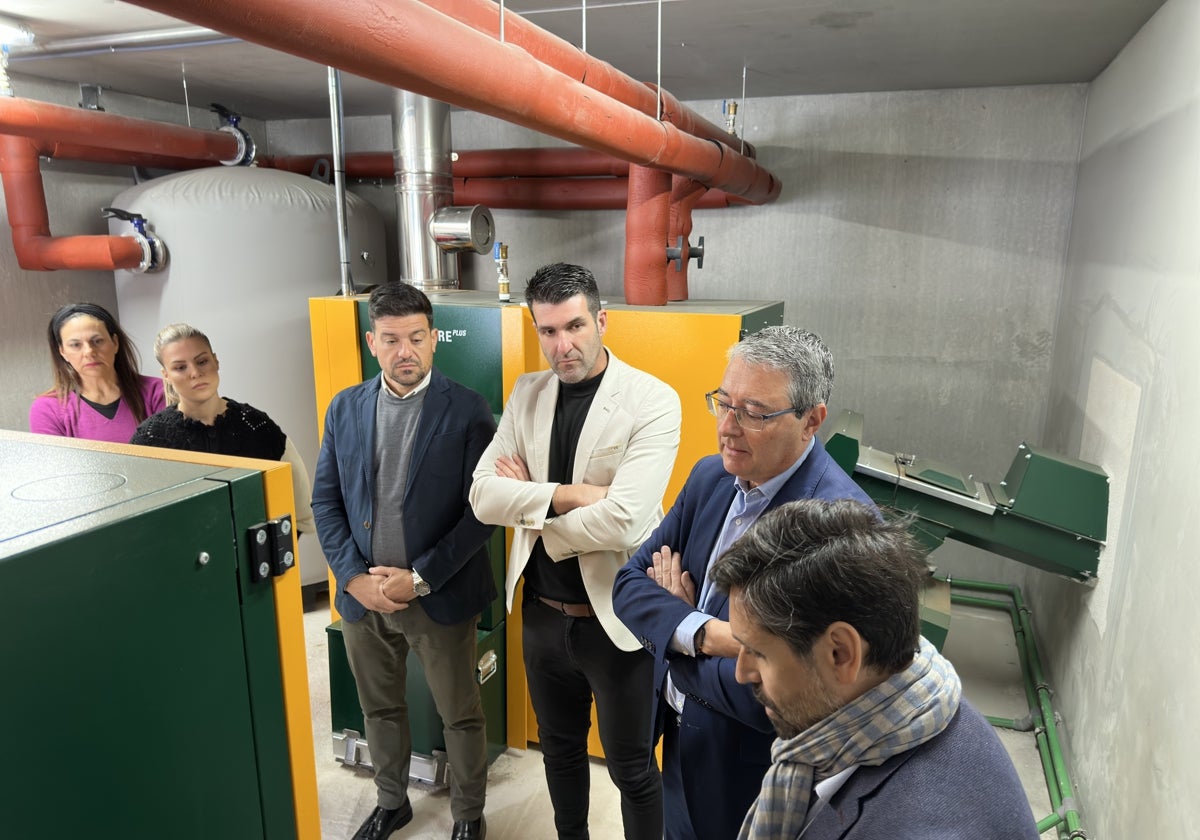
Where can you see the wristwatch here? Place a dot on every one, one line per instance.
(419, 584)
(698, 639)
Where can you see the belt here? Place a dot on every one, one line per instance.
(573, 610)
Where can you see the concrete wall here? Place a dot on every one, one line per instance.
(1125, 394)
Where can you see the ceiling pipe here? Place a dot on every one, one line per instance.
(116, 157)
(685, 195)
(152, 39)
(46, 122)
(646, 223)
(479, 163)
(406, 46)
(537, 163)
(35, 247)
(484, 16)
(561, 194)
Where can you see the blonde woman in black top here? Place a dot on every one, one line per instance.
(199, 419)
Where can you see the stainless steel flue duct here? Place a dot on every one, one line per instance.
(430, 230)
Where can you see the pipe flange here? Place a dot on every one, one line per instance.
(246, 147)
(154, 253)
(158, 259)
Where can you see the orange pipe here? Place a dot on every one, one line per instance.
(685, 194)
(358, 165)
(558, 194)
(537, 163)
(406, 46)
(516, 179)
(45, 122)
(33, 244)
(94, 154)
(484, 16)
(646, 222)
(480, 163)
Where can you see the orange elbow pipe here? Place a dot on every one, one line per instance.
(35, 247)
(646, 223)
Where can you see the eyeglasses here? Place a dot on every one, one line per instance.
(751, 421)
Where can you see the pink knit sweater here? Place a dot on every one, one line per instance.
(75, 418)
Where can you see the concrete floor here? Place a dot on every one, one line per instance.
(980, 644)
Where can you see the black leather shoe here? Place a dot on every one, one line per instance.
(469, 830)
(383, 821)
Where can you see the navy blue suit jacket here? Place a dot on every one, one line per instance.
(444, 541)
(725, 736)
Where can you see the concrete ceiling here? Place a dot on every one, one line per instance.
(787, 47)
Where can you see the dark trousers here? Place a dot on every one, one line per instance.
(679, 821)
(709, 781)
(567, 662)
(377, 648)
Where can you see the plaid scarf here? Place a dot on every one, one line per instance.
(900, 713)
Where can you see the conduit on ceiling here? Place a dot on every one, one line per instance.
(531, 179)
(358, 36)
(514, 179)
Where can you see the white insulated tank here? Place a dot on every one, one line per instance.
(247, 248)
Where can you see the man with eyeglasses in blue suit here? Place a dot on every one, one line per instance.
(716, 735)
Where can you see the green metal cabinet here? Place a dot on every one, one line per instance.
(142, 684)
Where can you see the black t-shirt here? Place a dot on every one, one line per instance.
(562, 581)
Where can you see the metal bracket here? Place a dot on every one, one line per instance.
(351, 749)
(271, 552)
(89, 97)
(487, 667)
(322, 171)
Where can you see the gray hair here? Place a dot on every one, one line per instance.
(801, 354)
(169, 335)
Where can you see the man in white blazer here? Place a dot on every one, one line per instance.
(578, 469)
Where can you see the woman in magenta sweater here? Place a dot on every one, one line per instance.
(98, 393)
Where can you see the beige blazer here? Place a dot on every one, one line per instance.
(628, 442)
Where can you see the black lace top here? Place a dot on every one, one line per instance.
(242, 430)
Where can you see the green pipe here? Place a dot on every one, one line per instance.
(1040, 740)
(1061, 777)
(1058, 779)
(1074, 823)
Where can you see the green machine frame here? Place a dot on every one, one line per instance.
(141, 660)
(1050, 511)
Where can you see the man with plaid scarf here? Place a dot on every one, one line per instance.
(875, 739)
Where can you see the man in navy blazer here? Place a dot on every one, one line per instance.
(409, 555)
(716, 736)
